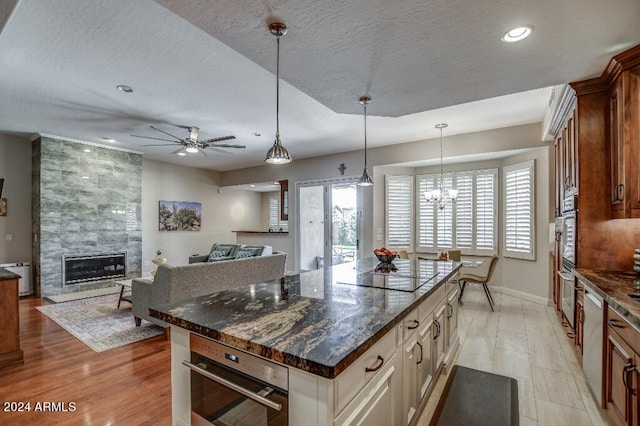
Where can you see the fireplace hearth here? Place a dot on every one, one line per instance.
(78, 269)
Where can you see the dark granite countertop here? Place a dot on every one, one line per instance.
(8, 275)
(317, 321)
(614, 287)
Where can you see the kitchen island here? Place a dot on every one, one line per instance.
(356, 340)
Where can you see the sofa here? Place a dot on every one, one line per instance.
(223, 251)
(175, 283)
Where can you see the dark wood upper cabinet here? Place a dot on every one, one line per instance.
(284, 199)
(624, 122)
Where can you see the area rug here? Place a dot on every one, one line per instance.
(97, 322)
(58, 298)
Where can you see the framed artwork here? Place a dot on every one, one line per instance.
(3, 206)
(284, 199)
(179, 216)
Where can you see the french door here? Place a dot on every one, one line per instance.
(330, 222)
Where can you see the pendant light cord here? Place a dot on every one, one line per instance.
(441, 172)
(278, 89)
(365, 136)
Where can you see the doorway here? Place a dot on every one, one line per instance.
(330, 223)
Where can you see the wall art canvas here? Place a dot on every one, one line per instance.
(180, 216)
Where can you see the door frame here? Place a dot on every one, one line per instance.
(327, 183)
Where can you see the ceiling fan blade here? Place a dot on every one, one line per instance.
(160, 144)
(226, 145)
(149, 137)
(178, 150)
(202, 152)
(220, 150)
(220, 139)
(168, 134)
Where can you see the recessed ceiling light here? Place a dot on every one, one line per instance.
(85, 177)
(124, 88)
(182, 154)
(252, 186)
(517, 34)
(108, 140)
(87, 150)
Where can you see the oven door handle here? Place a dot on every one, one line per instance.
(565, 276)
(224, 382)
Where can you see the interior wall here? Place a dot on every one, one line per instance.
(223, 211)
(327, 167)
(15, 227)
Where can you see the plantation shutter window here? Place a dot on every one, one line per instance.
(464, 211)
(426, 213)
(274, 214)
(485, 212)
(519, 211)
(399, 212)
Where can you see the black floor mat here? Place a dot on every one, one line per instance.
(478, 398)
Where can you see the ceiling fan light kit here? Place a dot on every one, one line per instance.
(277, 154)
(365, 179)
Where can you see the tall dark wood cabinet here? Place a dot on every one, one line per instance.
(607, 132)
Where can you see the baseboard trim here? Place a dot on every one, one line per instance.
(514, 293)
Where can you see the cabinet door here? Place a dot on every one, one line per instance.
(425, 361)
(410, 359)
(375, 404)
(579, 337)
(439, 336)
(619, 361)
(451, 320)
(616, 139)
(631, 135)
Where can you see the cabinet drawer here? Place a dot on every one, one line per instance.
(354, 378)
(624, 329)
(428, 306)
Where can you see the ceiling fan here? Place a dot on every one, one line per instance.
(191, 144)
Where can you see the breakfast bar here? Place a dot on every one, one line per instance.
(331, 345)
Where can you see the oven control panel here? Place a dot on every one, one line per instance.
(251, 365)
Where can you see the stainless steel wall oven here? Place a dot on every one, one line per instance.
(231, 387)
(569, 257)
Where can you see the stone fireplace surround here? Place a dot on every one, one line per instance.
(86, 199)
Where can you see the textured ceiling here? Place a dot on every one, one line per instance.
(211, 65)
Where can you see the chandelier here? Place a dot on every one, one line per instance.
(441, 196)
(277, 154)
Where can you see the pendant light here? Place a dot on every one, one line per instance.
(441, 197)
(365, 179)
(277, 154)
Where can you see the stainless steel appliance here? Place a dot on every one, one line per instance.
(592, 343)
(230, 387)
(569, 255)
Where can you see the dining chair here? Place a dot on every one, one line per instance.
(480, 274)
(454, 255)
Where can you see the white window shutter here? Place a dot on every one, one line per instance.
(486, 222)
(464, 211)
(399, 212)
(519, 232)
(426, 214)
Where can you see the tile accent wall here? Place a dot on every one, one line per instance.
(83, 203)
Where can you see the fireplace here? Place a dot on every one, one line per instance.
(77, 269)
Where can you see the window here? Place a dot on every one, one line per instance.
(274, 214)
(519, 230)
(399, 211)
(470, 223)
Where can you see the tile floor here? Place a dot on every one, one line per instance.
(524, 340)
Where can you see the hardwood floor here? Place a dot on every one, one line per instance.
(123, 386)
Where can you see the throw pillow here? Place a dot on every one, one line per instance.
(218, 255)
(244, 253)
